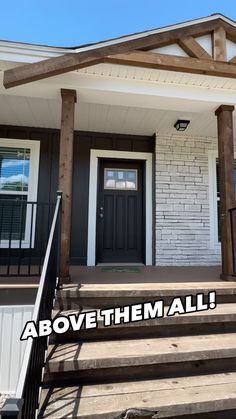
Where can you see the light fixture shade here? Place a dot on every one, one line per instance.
(181, 124)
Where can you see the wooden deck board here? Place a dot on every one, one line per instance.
(136, 352)
(185, 395)
(222, 313)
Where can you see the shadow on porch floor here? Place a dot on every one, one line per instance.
(140, 274)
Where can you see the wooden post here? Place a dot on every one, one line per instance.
(65, 176)
(226, 171)
(219, 44)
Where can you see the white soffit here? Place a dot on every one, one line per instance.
(115, 71)
(44, 113)
(173, 49)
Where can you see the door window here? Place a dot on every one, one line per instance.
(121, 179)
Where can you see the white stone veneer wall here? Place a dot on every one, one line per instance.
(182, 201)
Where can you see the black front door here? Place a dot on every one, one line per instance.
(120, 230)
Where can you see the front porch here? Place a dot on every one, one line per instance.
(182, 203)
(124, 118)
(103, 130)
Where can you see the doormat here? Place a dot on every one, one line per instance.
(122, 269)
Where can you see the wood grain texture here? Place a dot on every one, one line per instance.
(219, 44)
(171, 398)
(65, 176)
(139, 352)
(227, 192)
(72, 61)
(174, 63)
(193, 48)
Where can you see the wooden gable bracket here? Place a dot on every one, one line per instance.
(193, 48)
(174, 63)
(199, 61)
(219, 44)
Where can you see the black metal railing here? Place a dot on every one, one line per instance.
(24, 231)
(26, 401)
(233, 233)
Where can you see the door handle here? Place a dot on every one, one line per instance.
(101, 215)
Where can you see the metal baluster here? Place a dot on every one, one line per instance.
(31, 233)
(10, 240)
(21, 233)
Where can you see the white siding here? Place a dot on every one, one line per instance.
(205, 42)
(230, 50)
(173, 49)
(12, 321)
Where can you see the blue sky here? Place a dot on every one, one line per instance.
(76, 22)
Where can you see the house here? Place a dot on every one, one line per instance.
(137, 133)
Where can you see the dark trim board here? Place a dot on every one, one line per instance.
(48, 170)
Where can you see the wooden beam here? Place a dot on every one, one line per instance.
(65, 176)
(47, 68)
(174, 63)
(193, 48)
(230, 32)
(168, 37)
(227, 190)
(219, 44)
(72, 61)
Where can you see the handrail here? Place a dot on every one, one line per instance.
(34, 355)
(25, 364)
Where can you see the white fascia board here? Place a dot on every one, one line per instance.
(157, 31)
(27, 53)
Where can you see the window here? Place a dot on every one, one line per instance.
(19, 160)
(121, 179)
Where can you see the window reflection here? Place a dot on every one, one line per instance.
(14, 169)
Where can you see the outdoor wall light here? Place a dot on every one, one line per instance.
(181, 124)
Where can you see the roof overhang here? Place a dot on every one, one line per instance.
(134, 44)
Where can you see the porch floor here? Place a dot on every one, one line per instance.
(140, 274)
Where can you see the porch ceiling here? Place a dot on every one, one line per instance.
(46, 113)
(120, 99)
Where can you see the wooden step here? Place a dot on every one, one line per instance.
(200, 395)
(140, 357)
(219, 320)
(106, 295)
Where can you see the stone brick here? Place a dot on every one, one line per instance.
(182, 206)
